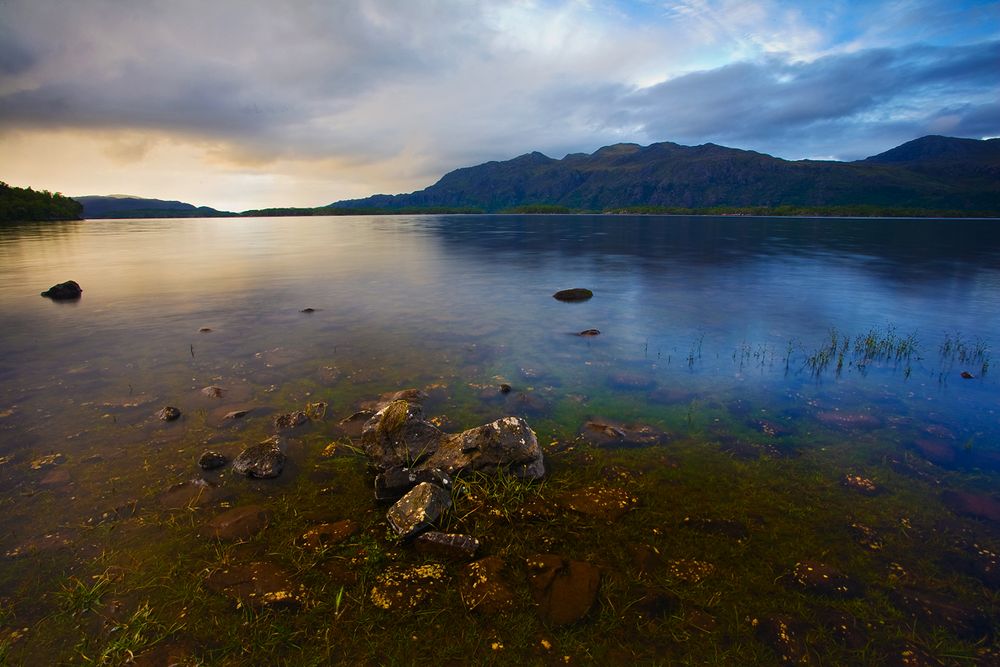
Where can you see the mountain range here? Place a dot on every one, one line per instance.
(933, 172)
(125, 206)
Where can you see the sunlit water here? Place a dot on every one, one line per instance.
(724, 330)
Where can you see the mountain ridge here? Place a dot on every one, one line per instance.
(932, 172)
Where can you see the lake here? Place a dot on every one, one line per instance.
(780, 403)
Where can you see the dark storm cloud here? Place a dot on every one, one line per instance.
(777, 103)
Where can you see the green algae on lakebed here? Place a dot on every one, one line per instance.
(725, 508)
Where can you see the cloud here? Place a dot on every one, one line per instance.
(387, 95)
(774, 102)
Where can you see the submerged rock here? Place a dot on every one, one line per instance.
(860, 484)
(64, 291)
(573, 294)
(168, 414)
(326, 535)
(236, 414)
(263, 460)
(47, 461)
(976, 505)
(564, 590)
(239, 523)
(213, 391)
(609, 503)
(484, 588)
(589, 332)
(605, 433)
(398, 436)
(192, 493)
(257, 585)
(290, 420)
(210, 460)
(418, 509)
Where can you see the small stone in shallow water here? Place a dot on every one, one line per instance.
(328, 534)
(213, 391)
(609, 503)
(564, 590)
(64, 291)
(308, 310)
(866, 537)
(47, 461)
(204, 330)
(168, 414)
(263, 460)
(483, 586)
(589, 332)
(966, 375)
(859, 483)
(823, 579)
(239, 523)
(211, 460)
(573, 294)
(505, 388)
(236, 414)
(290, 420)
(258, 585)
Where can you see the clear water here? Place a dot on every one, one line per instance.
(713, 330)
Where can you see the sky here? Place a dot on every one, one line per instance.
(240, 104)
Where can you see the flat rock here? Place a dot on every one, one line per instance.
(192, 493)
(484, 588)
(849, 420)
(239, 523)
(257, 585)
(600, 501)
(64, 291)
(822, 579)
(47, 461)
(936, 610)
(976, 505)
(564, 590)
(403, 588)
(262, 461)
(418, 509)
(573, 294)
(210, 460)
(452, 546)
(786, 636)
(326, 535)
(236, 414)
(605, 433)
(938, 452)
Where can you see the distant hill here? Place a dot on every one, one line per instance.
(17, 204)
(940, 173)
(124, 206)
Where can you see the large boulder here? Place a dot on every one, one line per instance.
(398, 436)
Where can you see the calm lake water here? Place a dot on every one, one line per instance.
(774, 359)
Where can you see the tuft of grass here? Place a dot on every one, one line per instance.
(128, 639)
(78, 597)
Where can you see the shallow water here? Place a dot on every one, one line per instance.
(774, 356)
